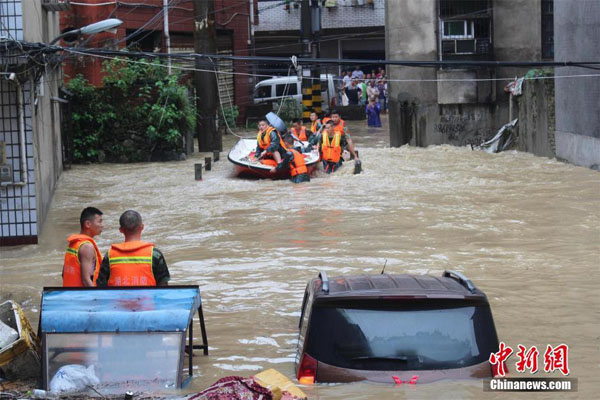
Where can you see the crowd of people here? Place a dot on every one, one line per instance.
(366, 89)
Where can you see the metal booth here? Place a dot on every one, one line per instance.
(129, 337)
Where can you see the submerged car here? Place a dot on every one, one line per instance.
(394, 329)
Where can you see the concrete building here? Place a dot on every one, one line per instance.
(349, 29)
(30, 140)
(143, 30)
(577, 33)
(459, 105)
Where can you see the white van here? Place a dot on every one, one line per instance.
(290, 86)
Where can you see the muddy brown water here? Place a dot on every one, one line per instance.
(525, 229)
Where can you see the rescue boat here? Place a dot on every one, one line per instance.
(242, 156)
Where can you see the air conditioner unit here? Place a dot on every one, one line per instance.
(6, 173)
(466, 46)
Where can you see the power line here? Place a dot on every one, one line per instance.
(338, 61)
(113, 56)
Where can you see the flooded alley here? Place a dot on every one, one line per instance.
(524, 229)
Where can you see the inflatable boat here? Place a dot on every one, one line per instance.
(242, 156)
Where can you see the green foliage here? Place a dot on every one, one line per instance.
(230, 113)
(289, 110)
(140, 114)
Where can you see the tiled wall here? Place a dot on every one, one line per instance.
(18, 205)
(347, 14)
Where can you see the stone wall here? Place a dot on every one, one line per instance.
(536, 118)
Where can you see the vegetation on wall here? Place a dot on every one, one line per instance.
(141, 114)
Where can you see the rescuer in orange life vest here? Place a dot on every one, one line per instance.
(82, 259)
(269, 143)
(294, 161)
(300, 131)
(332, 141)
(133, 262)
(315, 123)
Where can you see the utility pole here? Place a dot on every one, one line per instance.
(207, 96)
(310, 24)
(317, 101)
(306, 36)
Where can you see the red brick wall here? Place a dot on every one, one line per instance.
(230, 15)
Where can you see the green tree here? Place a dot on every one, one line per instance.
(140, 113)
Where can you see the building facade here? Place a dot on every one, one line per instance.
(143, 29)
(459, 105)
(351, 29)
(577, 99)
(30, 139)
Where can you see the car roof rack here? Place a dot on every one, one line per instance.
(325, 280)
(463, 280)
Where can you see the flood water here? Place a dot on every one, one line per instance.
(524, 229)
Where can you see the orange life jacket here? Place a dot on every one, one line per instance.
(72, 267)
(297, 166)
(301, 135)
(131, 264)
(325, 119)
(331, 151)
(340, 127)
(314, 126)
(264, 138)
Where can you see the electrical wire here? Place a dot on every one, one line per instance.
(509, 79)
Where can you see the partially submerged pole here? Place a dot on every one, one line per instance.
(207, 97)
(207, 163)
(198, 172)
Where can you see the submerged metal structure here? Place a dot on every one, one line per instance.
(133, 336)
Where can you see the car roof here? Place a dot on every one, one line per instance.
(285, 79)
(451, 285)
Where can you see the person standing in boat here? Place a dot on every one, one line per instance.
(269, 143)
(133, 262)
(82, 259)
(294, 161)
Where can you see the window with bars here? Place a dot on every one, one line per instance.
(18, 206)
(11, 19)
(548, 29)
(465, 27)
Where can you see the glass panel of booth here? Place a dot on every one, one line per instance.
(133, 334)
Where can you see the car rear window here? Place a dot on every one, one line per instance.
(422, 338)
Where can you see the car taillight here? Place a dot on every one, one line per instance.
(307, 371)
(496, 372)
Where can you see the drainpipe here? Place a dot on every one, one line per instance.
(23, 156)
(166, 33)
(252, 44)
